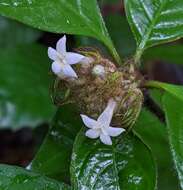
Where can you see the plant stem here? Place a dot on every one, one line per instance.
(137, 57)
(153, 84)
(108, 42)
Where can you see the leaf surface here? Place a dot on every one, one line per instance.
(167, 53)
(173, 110)
(53, 158)
(154, 134)
(16, 178)
(172, 102)
(154, 21)
(127, 164)
(24, 87)
(61, 16)
(21, 34)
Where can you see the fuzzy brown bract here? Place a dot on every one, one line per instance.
(91, 92)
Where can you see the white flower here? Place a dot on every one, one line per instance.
(101, 127)
(62, 60)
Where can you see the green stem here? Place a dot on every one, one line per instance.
(137, 57)
(153, 84)
(108, 42)
(116, 56)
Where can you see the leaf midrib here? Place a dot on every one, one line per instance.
(148, 32)
(115, 169)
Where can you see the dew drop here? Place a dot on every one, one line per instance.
(15, 4)
(29, 2)
(25, 181)
(135, 179)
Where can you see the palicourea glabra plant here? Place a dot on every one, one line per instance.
(113, 127)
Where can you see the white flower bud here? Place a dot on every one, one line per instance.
(99, 70)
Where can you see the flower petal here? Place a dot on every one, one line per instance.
(68, 71)
(73, 58)
(90, 123)
(106, 116)
(87, 60)
(106, 139)
(56, 67)
(61, 45)
(92, 133)
(52, 53)
(113, 131)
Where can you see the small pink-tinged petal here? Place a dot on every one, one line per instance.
(68, 71)
(90, 123)
(87, 60)
(73, 58)
(61, 45)
(106, 139)
(92, 133)
(106, 116)
(114, 132)
(56, 67)
(52, 53)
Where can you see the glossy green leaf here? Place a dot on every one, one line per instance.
(53, 158)
(156, 96)
(16, 178)
(24, 87)
(175, 90)
(168, 53)
(154, 21)
(174, 116)
(154, 134)
(127, 164)
(172, 102)
(61, 16)
(13, 33)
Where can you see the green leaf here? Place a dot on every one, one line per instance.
(53, 158)
(24, 84)
(174, 116)
(167, 53)
(21, 34)
(72, 16)
(154, 134)
(127, 164)
(16, 178)
(175, 90)
(172, 101)
(156, 95)
(154, 22)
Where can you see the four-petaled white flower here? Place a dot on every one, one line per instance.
(101, 127)
(62, 60)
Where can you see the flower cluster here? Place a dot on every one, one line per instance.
(105, 72)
